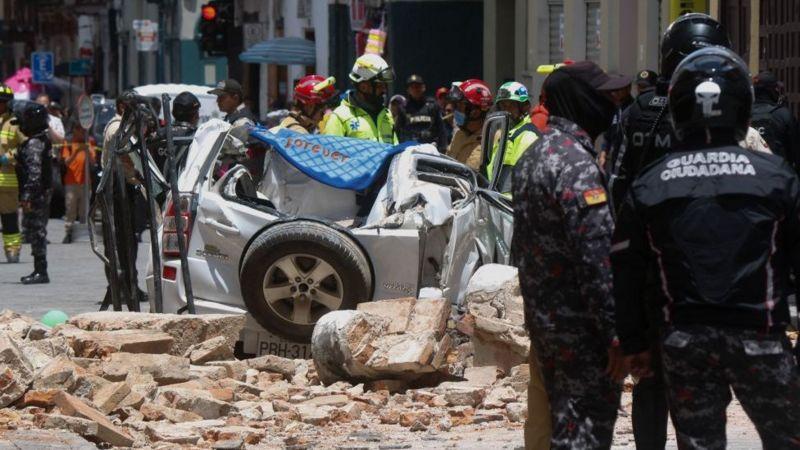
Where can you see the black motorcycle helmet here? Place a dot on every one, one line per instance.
(686, 34)
(711, 93)
(33, 119)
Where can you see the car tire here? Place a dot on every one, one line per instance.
(277, 277)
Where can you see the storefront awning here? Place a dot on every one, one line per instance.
(283, 51)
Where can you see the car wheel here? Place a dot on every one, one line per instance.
(296, 272)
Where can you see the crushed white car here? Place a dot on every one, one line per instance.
(330, 222)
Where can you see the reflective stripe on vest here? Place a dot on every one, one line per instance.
(12, 240)
(8, 180)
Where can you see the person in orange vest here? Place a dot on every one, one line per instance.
(74, 156)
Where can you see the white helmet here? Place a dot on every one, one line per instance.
(371, 67)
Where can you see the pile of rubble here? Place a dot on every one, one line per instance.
(172, 381)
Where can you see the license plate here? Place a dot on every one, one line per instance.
(270, 344)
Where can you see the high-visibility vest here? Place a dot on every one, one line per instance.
(10, 138)
(520, 138)
(351, 121)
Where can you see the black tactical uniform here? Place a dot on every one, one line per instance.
(35, 178)
(721, 224)
(421, 121)
(648, 136)
(182, 133)
(775, 121)
(185, 111)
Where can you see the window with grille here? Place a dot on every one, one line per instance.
(556, 35)
(593, 31)
(303, 9)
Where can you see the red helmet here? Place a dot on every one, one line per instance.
(314, 89)
(474, 92)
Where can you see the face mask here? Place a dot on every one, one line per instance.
(459, 118)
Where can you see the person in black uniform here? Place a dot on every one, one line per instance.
(645, 81)
(774, 120)
(186, 115)
(35, 177)
(421, 118)
(648, 135)
(721, 222)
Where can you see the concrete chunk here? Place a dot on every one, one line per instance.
(199, 402)
(272, 363)
(40, 399)
(154, 412)
(495, 318)
(165, 369)
(16, 372)
(44, 439)
(210, 372)
(483, 376)
(186, 330)
(15, 325)
(328, 400)
(180, 433)
(430, 315)
(99, 344)
(107, 432)
(60, 373)
(397, 311)
(461, 393)
(314, 415)
(234, 369)
(214, 349)
(77, 425)
(342, 343)
(396, 354)
(109, 396)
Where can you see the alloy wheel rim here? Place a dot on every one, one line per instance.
(301, 288)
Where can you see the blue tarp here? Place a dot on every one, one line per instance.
(284, 51)
(341, 162)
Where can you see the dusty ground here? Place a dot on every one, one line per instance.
(496, 436)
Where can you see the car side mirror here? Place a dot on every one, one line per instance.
(494, 139)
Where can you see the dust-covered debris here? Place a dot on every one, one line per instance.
(101, 383)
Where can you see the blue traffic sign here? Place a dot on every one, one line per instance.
(42, 67)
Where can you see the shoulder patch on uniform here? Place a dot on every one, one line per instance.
(596, 196)
(658, 101)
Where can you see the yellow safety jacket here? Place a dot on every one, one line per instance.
(10, 138)
(351, 121)
(520, 138)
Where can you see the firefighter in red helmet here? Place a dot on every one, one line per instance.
(312, 94)
(471, 100)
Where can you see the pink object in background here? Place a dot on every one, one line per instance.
(21, 83)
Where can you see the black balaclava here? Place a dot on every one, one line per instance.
(770, 95)
(577, 101)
